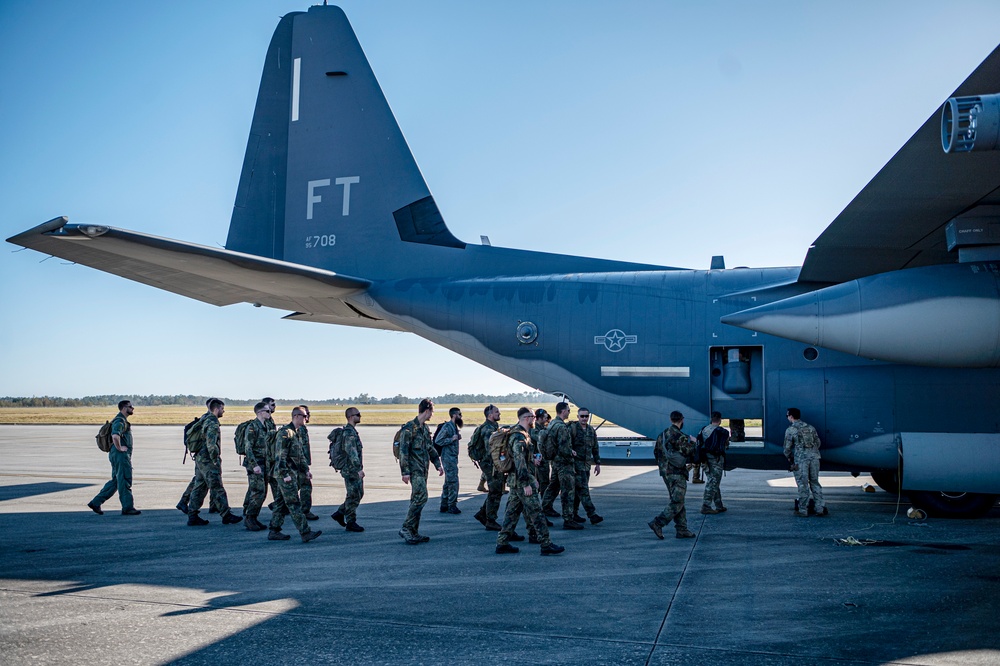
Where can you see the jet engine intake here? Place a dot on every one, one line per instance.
(971, 124)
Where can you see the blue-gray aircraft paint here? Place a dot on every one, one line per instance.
(330, 189)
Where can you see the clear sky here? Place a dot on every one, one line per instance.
(657, 132)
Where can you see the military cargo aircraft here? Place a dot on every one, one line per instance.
(887, 338)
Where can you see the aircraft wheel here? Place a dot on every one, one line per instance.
(952, 505)
(887, 480)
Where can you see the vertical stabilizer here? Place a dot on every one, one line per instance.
(328, 179)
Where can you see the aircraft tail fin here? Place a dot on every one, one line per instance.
(328, 179)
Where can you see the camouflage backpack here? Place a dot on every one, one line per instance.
(477, 445)
(664, 453)
(395, 441)
(194, 435)
(503, 462)
(808, 437)
(240, 437)
(547, 444)
(338, 457)
(104, 441)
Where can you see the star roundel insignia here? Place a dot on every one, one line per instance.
(615, 340)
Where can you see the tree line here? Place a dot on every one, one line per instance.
(199, 400)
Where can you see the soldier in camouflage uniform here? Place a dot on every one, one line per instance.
(415, 451)
(802, 450)
(447, 441)
(538, 434)
(255, 461)
(288, 461)
(524, 490)
(213, 504)
(714, 465)
(208, 468)
(587, 453)
(479, 451)
(353, 473)
(563, 479)
(673, 451)
(305, 481)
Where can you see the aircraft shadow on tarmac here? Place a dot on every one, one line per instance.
(781, 587)
(23, 490)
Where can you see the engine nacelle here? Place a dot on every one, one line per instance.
(971, 124)
(943, 316)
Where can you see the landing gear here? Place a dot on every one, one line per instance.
(951, 505)
(887, 480)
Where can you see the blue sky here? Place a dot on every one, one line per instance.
(658, 132)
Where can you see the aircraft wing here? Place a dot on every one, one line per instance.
(897, 221)
(211, 275)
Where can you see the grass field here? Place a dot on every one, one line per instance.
(389, 415)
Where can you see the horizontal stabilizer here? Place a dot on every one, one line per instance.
(211, 275)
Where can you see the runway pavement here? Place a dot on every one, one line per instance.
(757, 586)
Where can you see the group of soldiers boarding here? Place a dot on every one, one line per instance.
(540, 458)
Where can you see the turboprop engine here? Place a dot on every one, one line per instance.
(943, 316)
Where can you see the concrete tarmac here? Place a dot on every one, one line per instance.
(757, 586)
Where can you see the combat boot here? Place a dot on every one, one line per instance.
(277, 535)
(444, 508)
(454, 510)
(572, 525)
(182, 507)
(131, 512)
(552, 549)
(96, 508)
(707, 510)
(516, 537)
(533, 538)
(310, 535)
(482, 486)
(311, 516)
(685, 534)
(595, 519)
(552, 513)
(481, 516)
(338, 516)
(421, 538)
(354, 527)
(231, 519)
(251, 525)
(823, 512)
(657, 529)
(505, 548)
(722, 509)
(194, 520)
(492, 526)
(578, 518)
(259, 524)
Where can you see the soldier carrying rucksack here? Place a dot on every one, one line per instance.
(204, 441)
(802, 445)
(254, 445)
(415, 453)
(480, 454)
(713, 440)
(115, 438)
(346, 457)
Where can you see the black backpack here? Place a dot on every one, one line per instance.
(717, 442)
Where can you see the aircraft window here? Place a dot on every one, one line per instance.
(810, 353)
